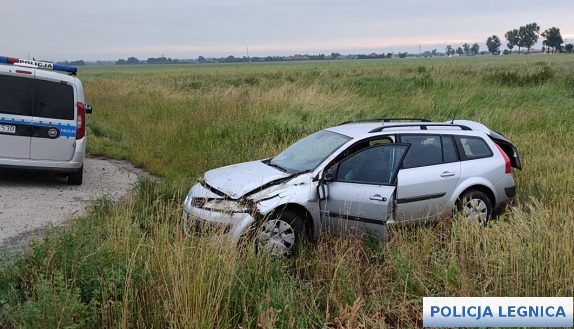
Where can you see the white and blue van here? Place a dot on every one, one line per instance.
(42, 118)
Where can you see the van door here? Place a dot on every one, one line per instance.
(54, 134)
(16, 98)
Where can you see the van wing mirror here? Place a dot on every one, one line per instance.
(89, 109)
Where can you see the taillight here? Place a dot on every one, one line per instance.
(507, 164)
(81, 128)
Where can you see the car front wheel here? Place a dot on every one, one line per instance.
(475, 207)
(281, 234)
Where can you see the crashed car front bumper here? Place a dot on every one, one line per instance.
(216, 215)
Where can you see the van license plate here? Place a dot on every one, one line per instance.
(8, 129)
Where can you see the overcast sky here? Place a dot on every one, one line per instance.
(112, 29)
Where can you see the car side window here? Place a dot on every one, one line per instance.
(471, 147)
(449, 152)
(374, 165)
(426, 150)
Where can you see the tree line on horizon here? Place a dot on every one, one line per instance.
(523, 37)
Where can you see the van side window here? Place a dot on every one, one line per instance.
(449, 152)
(470, 148)
(54, 100)
(16, 95)
(425, 150)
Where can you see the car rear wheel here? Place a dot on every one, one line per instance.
(281, 234)
(76, 178)
(475, 207)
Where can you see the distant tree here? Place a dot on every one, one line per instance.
(466, 48)
(335, 55)
(569, 47)
(474, 49)
(493, 44)
(201, 59)
(528, 35)
(403, 55)
(389, 55)
(459, 51)
(553, 39)
(132, 60)
(449, 50)
(506, 52)
(121, 62)
(513, 39)
(434, 52)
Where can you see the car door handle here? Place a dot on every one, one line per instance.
(447, 174)
(377, 197)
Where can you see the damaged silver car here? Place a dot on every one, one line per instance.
(355, 178)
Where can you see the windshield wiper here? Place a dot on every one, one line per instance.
(275, 166)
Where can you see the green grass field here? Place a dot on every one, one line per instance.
(127, 265)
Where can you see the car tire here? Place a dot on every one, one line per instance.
(281, 234)
(475, 206)
(76, 178)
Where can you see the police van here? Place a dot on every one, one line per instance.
(42, 118)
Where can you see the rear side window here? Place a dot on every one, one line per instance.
(425, 150)
(449, 152)
(16, 95)
(54, 100)
(473, 148)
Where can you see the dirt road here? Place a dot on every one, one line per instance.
(29, 201)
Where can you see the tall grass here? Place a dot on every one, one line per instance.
(128, 265)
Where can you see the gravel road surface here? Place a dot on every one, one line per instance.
(30, 201)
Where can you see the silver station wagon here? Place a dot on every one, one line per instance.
(355, 178)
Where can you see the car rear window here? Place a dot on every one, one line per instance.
(16, 95)
(473, 148)
(54, 100)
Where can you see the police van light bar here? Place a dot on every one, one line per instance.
(38, 64)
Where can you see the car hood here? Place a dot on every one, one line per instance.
(237, 180)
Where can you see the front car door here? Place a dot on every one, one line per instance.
(361, 190)
(430, 174)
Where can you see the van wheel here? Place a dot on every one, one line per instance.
(76, 178)
(281, 234)
(476, 207)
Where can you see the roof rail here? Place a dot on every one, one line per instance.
(386, 120)
(38, 64)
(423, 126)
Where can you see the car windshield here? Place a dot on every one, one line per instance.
(309, 152)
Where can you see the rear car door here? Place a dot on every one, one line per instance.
(16, 99)
(361, 190)
(429, 176)
(54, 135)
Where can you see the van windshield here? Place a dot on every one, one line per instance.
(309, 152)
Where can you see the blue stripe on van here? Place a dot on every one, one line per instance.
(66, 130)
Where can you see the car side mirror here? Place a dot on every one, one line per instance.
(89, 109)
(323, 191)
